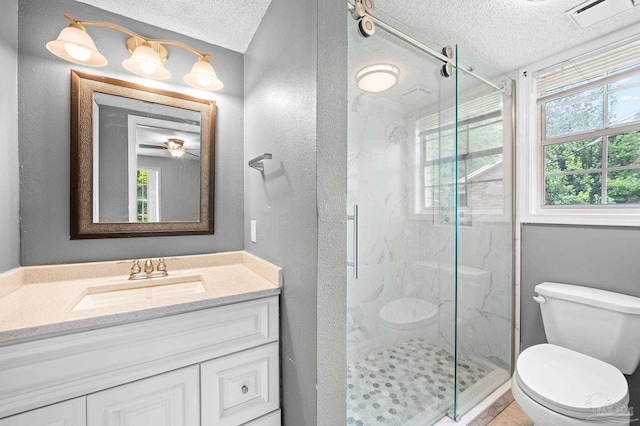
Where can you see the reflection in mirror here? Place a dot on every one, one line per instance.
(146, 162)
(143, 158)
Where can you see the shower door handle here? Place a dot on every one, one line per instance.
(354, 263)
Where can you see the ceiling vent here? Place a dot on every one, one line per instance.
(595, 11)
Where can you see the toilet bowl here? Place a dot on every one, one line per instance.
(408, 318)
(556, 386)
(577, 378)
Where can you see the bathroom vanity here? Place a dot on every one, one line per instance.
(82, 345)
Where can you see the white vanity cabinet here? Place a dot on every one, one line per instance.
(239, 388)
(67, 413)
(169, 399)
(215, 366)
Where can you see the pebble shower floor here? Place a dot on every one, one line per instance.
(401, 384)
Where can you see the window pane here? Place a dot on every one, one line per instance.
(487, 136)
(579, 115)
(439, 175)
(632, 79)
(583, 154)
(583, 188)
(624, 149)
(487, 194)
(624, 106)
(623, 187)
(488, 167)
(439, 145)
(574, 97)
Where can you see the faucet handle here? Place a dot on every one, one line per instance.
(136, 271)
(162, 267)
(148, 266)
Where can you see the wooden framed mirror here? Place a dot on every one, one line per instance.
(142, 160)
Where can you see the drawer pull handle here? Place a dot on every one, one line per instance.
(245, 389)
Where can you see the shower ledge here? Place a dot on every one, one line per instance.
(39, 301)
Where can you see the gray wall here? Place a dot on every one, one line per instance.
(280, 118)
(592, 256)
(9, 176)
(44, 138)
(113, 164)
(332, 220)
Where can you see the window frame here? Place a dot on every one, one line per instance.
(530, 158)
(479, 214)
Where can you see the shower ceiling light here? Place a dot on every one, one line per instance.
(148, 55)
(377, 78)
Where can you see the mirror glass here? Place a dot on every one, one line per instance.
(146, 162)
(141, 160)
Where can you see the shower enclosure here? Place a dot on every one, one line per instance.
(430, 229)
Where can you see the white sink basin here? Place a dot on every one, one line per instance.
(139, 291)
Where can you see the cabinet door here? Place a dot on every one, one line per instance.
(241, 387)
(170, 399)
(271, 419)
(67, 413)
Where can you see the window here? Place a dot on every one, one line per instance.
(591, 140)
(142, 198)
(148, 195)
(579, 136)
(480, 160)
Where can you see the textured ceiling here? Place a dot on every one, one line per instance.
(226, 23)
(508, 34)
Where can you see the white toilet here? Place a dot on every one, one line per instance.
(408, 318)
(577, 378)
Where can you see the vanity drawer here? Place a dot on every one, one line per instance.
(240, 387)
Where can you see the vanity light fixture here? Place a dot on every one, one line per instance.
(148, 55)
(377, 78)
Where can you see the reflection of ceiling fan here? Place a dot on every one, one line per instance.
(173, 145)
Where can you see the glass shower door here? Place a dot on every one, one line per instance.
(484, 281)
(399, 360)
(430, 230)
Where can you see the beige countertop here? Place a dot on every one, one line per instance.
(38, 301)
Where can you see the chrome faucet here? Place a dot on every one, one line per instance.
(138, 274)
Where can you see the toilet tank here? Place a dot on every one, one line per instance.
(598, 323)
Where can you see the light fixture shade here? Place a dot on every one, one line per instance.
(203, 76)
(377, 78)
(177, 153)
(145, 62)
(75, 45)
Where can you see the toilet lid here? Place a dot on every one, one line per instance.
(571, 383)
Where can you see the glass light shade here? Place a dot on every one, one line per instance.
(203, 76)
(75, 45)
(145, 62)
(377, 78)
(177, 153)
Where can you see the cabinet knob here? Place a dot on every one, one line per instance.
(245, 389)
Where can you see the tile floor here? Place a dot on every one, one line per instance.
(404, 384)
(511, 416)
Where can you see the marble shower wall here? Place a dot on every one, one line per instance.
(380, 181)
(403, 254)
